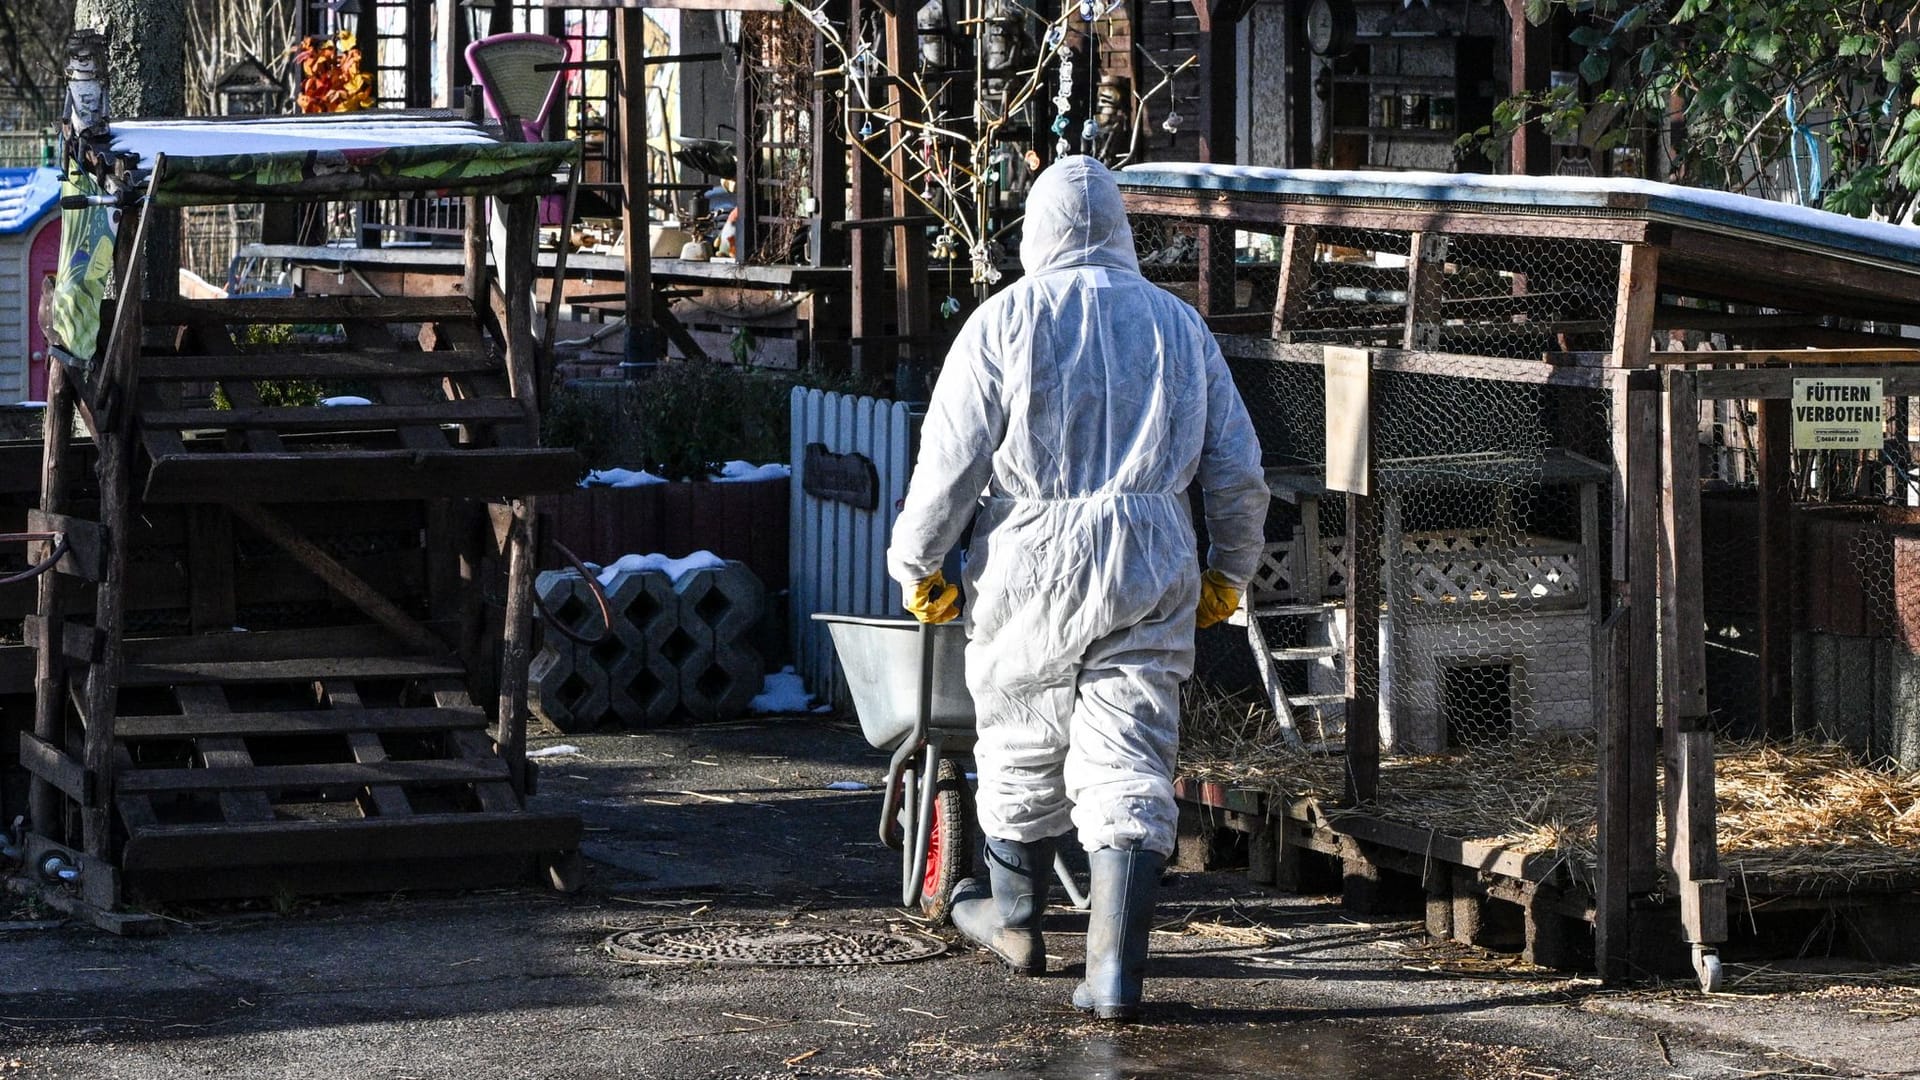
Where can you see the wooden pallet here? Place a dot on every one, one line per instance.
(442, 418)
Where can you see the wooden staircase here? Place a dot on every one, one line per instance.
(261, 667)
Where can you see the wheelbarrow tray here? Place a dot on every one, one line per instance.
(881, 659)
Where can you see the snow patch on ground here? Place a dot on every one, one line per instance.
(345, 399)
(560, 750)
(783, 692)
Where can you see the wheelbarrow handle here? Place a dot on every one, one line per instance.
(911, 745)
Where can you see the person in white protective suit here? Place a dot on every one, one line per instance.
(1075, 410)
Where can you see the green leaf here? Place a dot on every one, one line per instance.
(1591, 37)
(1628, 23)
(1767, 47)
(1539, 11)
(1595, 67)
(1857, 45)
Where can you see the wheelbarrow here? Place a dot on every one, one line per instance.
(909, 688)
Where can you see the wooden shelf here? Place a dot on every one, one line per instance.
(1397, 133)
(1423, 82)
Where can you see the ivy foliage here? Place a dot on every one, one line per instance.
(1744, 89)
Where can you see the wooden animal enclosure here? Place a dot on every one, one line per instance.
(1561, 371)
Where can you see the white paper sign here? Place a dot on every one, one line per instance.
(1839, 414)
(1349, 392)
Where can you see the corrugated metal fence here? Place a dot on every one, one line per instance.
(839, 549)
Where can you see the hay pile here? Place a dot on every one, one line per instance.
(1802, 809)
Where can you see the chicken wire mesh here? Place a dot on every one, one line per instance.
(1494, 502)
(1851, 590)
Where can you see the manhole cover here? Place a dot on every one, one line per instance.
(790, 946)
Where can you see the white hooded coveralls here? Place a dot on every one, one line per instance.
(1083, 401)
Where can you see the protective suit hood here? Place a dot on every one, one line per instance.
(1075, 218)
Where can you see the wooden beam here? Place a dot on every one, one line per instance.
(1296, 276)
(1796, 357)
(1427, 362)
(315, 365)
(1228, 207)
(1528, 57)
(347, 417)
(1691, 839)
(273, 777)
(360, 475)
(643, 340)
(909, 246)
(1775, 555)
(1426, 278)
(308, 309)
(49, 664)
(339, 578)
(1683, 608)
(480, 836)
(306, 670)
(1777, 382)
(1643, 527)
(301, 722)
(51, 767)
(1613, 912)
(1363, 649)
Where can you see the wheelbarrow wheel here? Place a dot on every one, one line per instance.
(949, 842)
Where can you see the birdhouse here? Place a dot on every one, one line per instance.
(248, 88)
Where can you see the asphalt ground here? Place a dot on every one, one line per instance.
(730, 832)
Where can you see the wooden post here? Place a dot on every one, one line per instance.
(865, 252)
(1643, 578)
(1613, 894)
(909, 246)
(828, 315)
(516, 644)
(1775, 554)
(1363, 635)
(44, 804)
(1217, 75)
(746, 158)
(1634, 300)
(1527, 53)
(473, 277)
(1426, 278)
(1691, 814)
(1296, 275)
(643, 337)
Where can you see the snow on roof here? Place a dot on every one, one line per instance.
(1602, 195)
(192, 138)
(27, 196)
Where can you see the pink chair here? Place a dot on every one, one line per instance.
(507, 69)
(519, 94)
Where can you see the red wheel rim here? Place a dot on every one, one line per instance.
(930, 881)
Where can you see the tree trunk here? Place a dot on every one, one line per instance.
(146, 77)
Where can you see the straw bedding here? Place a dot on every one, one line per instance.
(1802, 810)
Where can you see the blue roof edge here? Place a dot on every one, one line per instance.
(26, 196)
(1765, 219)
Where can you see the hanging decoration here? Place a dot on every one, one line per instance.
(330, 77)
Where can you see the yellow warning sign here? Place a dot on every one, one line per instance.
(1839, 414)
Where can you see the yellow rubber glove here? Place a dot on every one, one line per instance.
(1218, 599)
(933, 600)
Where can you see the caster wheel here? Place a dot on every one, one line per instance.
(1706, 965)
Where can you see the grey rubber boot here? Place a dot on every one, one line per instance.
(1003, 913)
(1124, 883)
